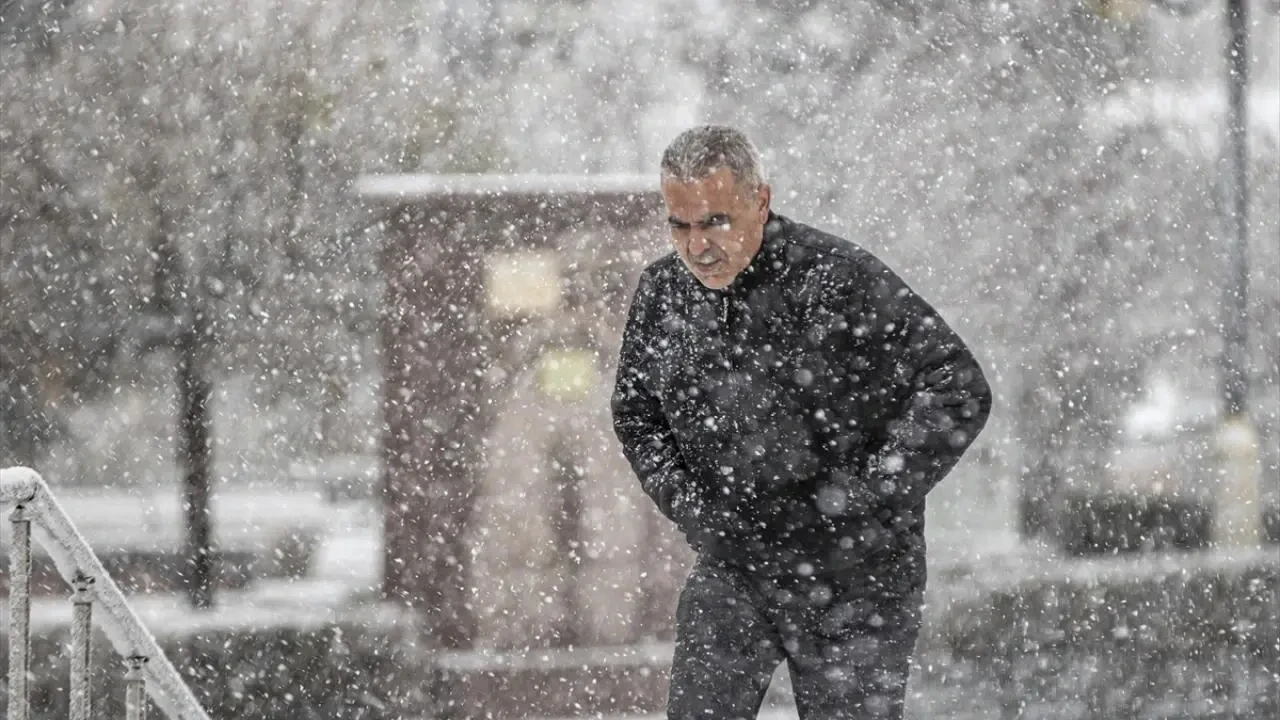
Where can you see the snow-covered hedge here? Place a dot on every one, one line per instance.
(357, 665)
(1184, 635)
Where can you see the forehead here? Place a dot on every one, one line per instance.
(717, 192)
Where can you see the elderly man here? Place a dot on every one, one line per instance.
(788, 402)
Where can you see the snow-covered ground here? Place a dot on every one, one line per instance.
(119, 519)
(345, 568)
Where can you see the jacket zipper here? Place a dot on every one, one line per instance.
(730, 347)
(724, 327)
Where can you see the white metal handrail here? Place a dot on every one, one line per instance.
(149, 671)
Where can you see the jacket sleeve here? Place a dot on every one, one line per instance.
(937, 399)
(642, 428)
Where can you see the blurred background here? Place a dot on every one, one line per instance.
(188, 255)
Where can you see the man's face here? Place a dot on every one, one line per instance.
(716, 225)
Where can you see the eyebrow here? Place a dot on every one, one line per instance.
(705, 221)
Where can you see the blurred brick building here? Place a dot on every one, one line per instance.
(512, 520)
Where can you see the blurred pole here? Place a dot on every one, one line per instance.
(1238, 518)
(196, 398)
(195, 447)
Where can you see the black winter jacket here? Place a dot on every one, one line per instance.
(795, 421)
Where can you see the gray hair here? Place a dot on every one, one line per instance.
(700, 151)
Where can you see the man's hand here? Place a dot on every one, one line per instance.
(684, 508)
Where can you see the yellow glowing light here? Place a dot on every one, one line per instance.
(567, 374)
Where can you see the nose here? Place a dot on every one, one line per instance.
(698, 243)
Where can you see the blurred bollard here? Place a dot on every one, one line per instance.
(1237, 519)
(1116, 11)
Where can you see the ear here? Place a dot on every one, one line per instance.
(763, 198)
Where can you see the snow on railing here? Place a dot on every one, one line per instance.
(149, 671)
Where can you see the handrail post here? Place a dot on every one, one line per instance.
(19, 614)
(81, 637)
(135, 689)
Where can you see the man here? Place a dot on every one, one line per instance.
(788, 402)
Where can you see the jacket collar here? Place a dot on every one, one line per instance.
(762, 263)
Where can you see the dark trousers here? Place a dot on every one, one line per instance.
(847, 645)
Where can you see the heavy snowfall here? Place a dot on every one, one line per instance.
(310, 314)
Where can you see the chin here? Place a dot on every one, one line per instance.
(715, 283)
